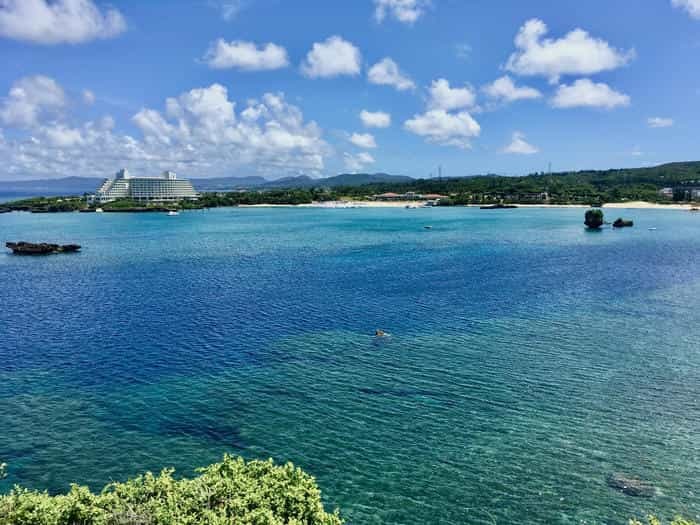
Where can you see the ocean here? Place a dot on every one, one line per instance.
(528, 360)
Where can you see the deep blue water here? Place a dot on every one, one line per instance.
(529, 358)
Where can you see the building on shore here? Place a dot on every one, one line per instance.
(166, 188)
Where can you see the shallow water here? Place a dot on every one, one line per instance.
(528, 359)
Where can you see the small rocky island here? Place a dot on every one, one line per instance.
(30, 248)
(593, 219)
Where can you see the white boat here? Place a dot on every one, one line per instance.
(98, 210)
(172, 212)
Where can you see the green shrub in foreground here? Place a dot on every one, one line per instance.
(655, 521)
(233, 491)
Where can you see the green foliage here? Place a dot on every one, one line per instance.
(47, 204)
(233, 491)
(652, 520)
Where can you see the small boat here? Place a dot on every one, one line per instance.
(98, 210)
(428, 227)
(651, 229)
(171, 213)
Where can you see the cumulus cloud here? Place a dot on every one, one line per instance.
(585, 93)
(246, 56)
(355, 162)
(504, 90)
(29, 99)
(200, 133)
(659, 122)
(88, 97)
(405, 11)
(375, 119)
(577, 53)
(691, 6)
(58, 21)
(331, 58)
(519, 146)
(363, 140)
(447, 129)
(386, 72)
(442, 96)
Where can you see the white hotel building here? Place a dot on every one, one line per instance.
(166, 188)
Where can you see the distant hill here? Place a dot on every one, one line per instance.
(344, 179)
(48, 187)
(80, 185)
(228, 183)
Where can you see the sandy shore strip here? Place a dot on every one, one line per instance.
(631, 205)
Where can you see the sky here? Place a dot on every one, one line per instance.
(212, 88)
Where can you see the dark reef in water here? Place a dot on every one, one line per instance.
(30, 248)
(631, 486)
(622, 223)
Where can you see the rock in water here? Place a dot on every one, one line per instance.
(30, 248)
(594, 219)
(631, 486)
(622, 223)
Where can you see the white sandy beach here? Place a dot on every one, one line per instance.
(631, 205)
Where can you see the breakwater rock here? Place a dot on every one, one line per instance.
(30, 248)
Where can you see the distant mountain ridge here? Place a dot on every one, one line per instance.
(646, 178)
(80, 185)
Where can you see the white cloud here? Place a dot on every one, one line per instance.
(386, 72)
(59, 21)
(246, 56)
(405, 11)
(504, 90)
(62, 136)
(444, 128)
(199, 133)
(229, 8)
(375, 119)
(331, 58)
(659, 122)
(519, 146)
(357, 161)
(585, 93)
(442, 96)
(691, 6)
(363, 140)
(30, 98)
(88, 97)
(577, 53)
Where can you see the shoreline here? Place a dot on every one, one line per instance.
(632, 205)
(354, 204)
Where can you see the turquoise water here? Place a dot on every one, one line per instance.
(528, 360)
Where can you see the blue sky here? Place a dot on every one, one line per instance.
(274, 87)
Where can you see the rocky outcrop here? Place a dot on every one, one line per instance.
(593, 219)
(631, 486)
(622, 223)
(30, 248)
